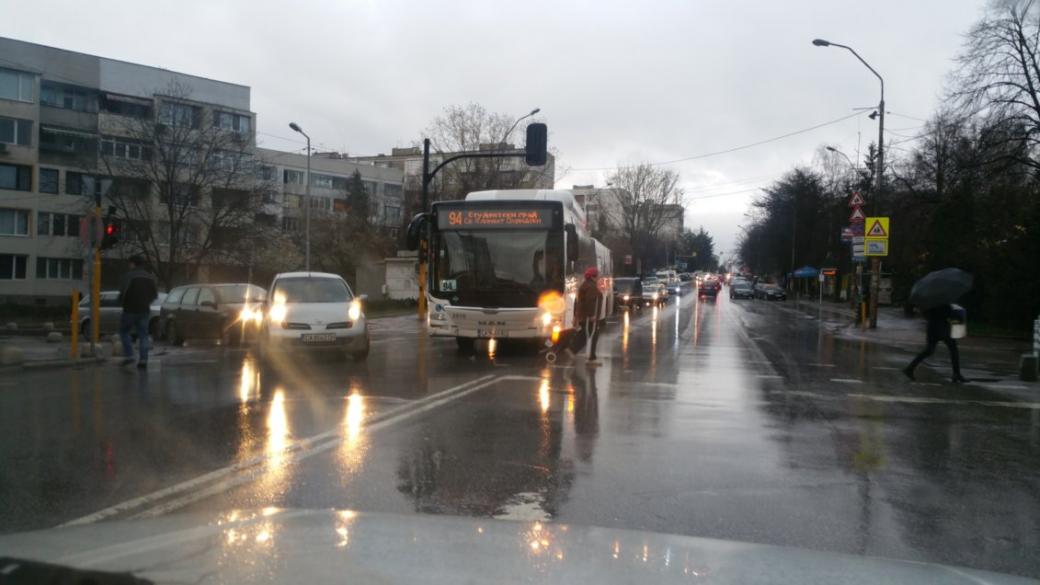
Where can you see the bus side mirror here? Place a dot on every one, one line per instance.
(415, 230)
(572, 242)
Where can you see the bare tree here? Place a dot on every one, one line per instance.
(471, 128)
(645, 203)
(185, 181)
(999, 78)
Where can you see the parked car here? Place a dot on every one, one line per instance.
(770, 292)
(229, 312)
(741, 290)
(111, 310)
(628, 293)
(308, 311)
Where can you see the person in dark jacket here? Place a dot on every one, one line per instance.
(136, 295)
(938, 329)
(586, 310)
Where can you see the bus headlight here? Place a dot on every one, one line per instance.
(354, 312)
(546, 319)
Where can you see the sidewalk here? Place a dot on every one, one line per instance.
(991, 361)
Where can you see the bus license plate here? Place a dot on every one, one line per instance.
(318, 337)
(486, 333)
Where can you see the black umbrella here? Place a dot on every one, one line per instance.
(941, 287)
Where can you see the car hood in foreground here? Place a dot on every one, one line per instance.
(326, 546)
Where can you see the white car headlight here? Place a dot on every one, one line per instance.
(626, 297)
(546, 319)
(355, 310)
(277, 313)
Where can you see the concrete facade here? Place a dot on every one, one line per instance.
(74, 102)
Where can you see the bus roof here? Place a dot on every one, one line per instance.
(572, 212)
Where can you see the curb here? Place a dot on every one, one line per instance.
(60, 363)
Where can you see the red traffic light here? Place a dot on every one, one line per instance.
(110, 230)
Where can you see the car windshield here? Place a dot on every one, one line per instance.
(625, 285)
(310, 290)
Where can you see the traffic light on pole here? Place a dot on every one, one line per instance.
(112, 235)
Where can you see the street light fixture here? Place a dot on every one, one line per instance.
(875, 263)
(518, 120)
(306, 199)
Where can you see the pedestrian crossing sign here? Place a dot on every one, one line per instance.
(877, 227)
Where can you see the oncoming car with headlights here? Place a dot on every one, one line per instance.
(311, 311)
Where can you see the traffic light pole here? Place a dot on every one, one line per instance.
(95, 280)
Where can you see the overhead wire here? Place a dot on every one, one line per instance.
(735, 148)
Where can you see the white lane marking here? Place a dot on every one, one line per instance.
(846, 380)
(817, 365)
(769, 376)
(257, 473)
(886, 368)
(218, 474)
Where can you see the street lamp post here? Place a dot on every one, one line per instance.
(306, 200)
(518, 120)
(875, 262)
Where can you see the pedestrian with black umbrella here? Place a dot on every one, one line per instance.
(935, 294)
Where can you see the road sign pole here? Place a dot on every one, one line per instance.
(95, 285)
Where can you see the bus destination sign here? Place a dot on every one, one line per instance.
(461, 218)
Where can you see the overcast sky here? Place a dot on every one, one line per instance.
(618, 82)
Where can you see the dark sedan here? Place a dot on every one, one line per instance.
(628, 292)
(230, 313)
(771, 292)
(741, 290)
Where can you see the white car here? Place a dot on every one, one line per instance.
(311, 311)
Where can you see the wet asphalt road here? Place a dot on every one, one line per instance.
(736, 420)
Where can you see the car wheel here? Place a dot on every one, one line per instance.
(173, 333)
(361, 354)
(465, 344)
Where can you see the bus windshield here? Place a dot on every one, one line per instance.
(497, 268)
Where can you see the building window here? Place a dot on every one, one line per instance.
(328, 182)
(48, 180)
(126, 106)
(122, 149)
(15, 177)
(12, 266)
(392, 191)
(15, 85)
(14, 222)
(81, 184)
(67, 97)
(179, 115)
(57, 224)
(59, 268)
(183, 195)
(292, 177)
(392, 214)
(67, 141)
(229, 121)
(265, 173)
(291, 224)
(371, 187)
(16, 131)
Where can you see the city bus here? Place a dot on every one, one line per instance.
(507, 264)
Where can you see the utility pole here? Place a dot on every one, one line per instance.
(426, 178)
(306, 199)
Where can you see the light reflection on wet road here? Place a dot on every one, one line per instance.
(736, 420)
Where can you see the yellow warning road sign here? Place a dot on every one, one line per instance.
(876, 227)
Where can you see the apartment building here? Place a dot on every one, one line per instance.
(61, 112)
(330, 176)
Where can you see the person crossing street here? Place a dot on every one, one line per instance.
(586, 311)
(136, 294)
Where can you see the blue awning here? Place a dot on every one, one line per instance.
(806, 272)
